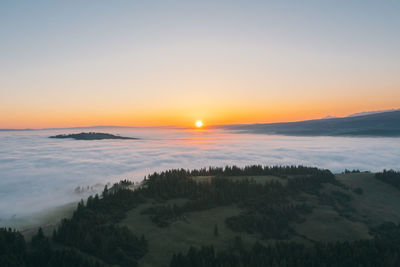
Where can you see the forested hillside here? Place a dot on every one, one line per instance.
(252, 216)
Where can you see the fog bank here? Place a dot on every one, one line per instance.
(38, 173)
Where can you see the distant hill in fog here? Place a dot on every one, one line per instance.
(372, 112)
(7, 130)
(91, 136)
(381, 124)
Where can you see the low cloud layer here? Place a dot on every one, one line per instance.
(37, 173)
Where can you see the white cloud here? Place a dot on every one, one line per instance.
(37, 172)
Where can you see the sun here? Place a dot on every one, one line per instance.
(199, 124)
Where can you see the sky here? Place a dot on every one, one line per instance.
(148, 63)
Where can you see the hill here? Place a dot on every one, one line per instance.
(385, 124)
(91, 136)
(252, 216)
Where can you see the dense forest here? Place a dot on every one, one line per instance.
(93, 236)
(375, 252)
(15, 251)
(391, 177)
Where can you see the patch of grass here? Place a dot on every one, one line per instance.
(193, 229)
(379, 201)
(325, 224)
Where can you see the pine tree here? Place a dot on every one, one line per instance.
(216, 230)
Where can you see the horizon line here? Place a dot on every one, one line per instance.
(328, 117)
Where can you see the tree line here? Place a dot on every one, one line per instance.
(379, 251)
(38, 252)
(266, 208)
(390, 177)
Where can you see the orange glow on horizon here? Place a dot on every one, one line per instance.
(202, 64)
(180, 117)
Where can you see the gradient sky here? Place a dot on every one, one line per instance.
(81, 63)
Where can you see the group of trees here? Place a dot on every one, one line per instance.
(391, 177)
(162, 215)
(12, 248)
(269, 222)
(15, 251)
(176, 183)
(266, 207)
(92, 228)
(366, 253)
(251, 170)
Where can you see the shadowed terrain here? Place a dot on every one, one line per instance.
(384, 124)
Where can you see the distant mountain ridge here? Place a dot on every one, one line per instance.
(379, 124)
(372, 112)
(362, 113)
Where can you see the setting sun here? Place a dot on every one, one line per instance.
(199, 124)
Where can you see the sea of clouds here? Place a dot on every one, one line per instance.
(39, 173)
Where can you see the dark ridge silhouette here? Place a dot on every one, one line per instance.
(15, 130)
(92, 136)
(385, 124)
